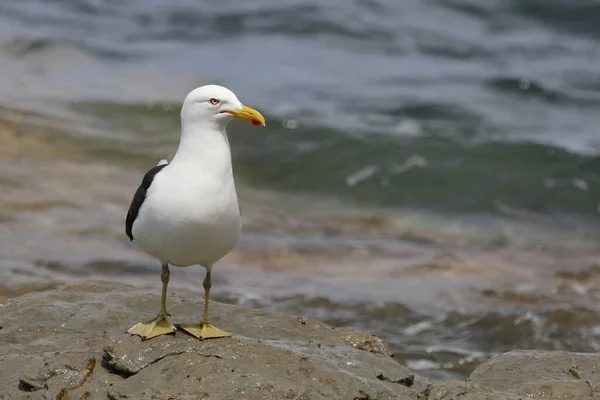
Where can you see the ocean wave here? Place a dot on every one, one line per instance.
(530, 89)
(580, 18)
(432, 170)
(500, 119)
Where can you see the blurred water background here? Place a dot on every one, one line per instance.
(430, 169)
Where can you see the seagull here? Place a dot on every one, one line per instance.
(186, 212)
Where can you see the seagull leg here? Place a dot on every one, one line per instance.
(204, 330)
(159, 325)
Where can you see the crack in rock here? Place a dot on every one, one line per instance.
(113, 365)
(407, 381)
(425, 393)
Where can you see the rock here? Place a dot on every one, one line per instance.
(455, 390)
(70, 343)
(528, 374)
(64, 343)
(535, 374)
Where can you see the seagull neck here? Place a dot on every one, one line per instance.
(205, 148)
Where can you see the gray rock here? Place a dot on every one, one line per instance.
(455, 390)
(525, 375)
(535, 374)
(70, 343)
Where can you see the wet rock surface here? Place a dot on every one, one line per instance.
(70, 343)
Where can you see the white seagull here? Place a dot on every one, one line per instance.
(186, 212)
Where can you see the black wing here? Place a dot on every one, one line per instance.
(139, 197)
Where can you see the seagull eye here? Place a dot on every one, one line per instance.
(214, 101)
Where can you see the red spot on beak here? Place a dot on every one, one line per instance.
(256, 122)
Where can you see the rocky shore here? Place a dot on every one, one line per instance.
(70, 343)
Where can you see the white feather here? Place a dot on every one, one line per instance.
(191, 214)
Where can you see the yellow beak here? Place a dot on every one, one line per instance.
(248, 114)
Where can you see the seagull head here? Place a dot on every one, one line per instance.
(213, 104)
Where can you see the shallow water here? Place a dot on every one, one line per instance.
(429, 172)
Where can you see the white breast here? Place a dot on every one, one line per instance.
(189, 218)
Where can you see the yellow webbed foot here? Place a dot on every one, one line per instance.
(158, 326)
(204, 331)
